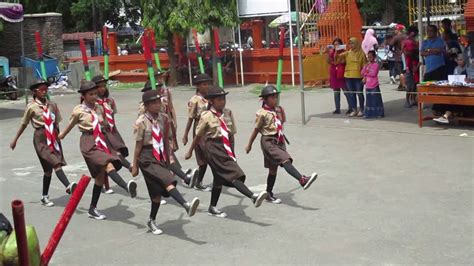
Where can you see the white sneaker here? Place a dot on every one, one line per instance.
(187, 171)
(46, 202)
(163, 202)
(214, 211)
(109, 191)
(392, 80)
(442, 120)
(153, 228)
(353, 113)
(258, 199)
(360, 114)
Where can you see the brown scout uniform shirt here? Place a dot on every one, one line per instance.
(209, 124)
(265, 122)
(34, 113)
(81, 116)
(143, 128)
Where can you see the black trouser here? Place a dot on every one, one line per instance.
(435, 75)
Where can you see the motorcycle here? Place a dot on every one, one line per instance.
(8, 87)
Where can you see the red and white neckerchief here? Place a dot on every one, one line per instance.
(158, 142)
(225, 134)
(109, 113)
(49, 132)
(99, 137)
(278, 124)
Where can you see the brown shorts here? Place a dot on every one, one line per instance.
(48, 158)
(224, 168)
(274, 153)
(157, 175)
(96, 159)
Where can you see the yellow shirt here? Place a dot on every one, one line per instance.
(355, 61)
(81, 115)
(34, 114)
(209, 124)
(143, 128)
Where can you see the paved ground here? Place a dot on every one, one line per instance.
(388, 193)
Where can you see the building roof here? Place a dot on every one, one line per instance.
(76, 36)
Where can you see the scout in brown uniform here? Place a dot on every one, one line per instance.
(44, 117)
(217, 125)
(100, 157)
(269, 123)
(107, 108)
(189, 176)
(152, 156)
(196, 105)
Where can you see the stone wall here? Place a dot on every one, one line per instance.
(50, 27)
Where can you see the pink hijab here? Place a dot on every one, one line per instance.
(369, 41)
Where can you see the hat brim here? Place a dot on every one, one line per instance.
(157, 97)
(81, 91)
(202, 80)
(262, 95)
(210, 96)
(36, 85)
(101, 81)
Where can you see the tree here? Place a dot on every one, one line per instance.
(88, 15)
(385, 12)
(209, 14)
(164, 18)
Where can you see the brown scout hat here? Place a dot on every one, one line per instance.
(215, 92)
(150, 96)
(87, 86)
(38, 83)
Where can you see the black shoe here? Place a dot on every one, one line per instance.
(200, 186)
(192, 207)
(94, 213)
(257, 199)
(132, 188)
(153, 227)
(214, 211)
(192, 177)
(272, 199)
(336, 112)
(349, 112)
(70, 189)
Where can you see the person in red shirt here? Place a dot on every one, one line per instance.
(410, 50)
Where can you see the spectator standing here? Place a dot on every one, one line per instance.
(354, 59)
(398, 53)
(370, 42)
(433, 50)
(336, 74)
(374, 103)
(412, 63)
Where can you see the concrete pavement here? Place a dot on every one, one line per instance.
(388, 192)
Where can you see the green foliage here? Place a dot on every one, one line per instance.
(179, 16)
(78, 15)
(375, 10)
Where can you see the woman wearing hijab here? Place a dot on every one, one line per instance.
(355, 60)
(370, 42)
